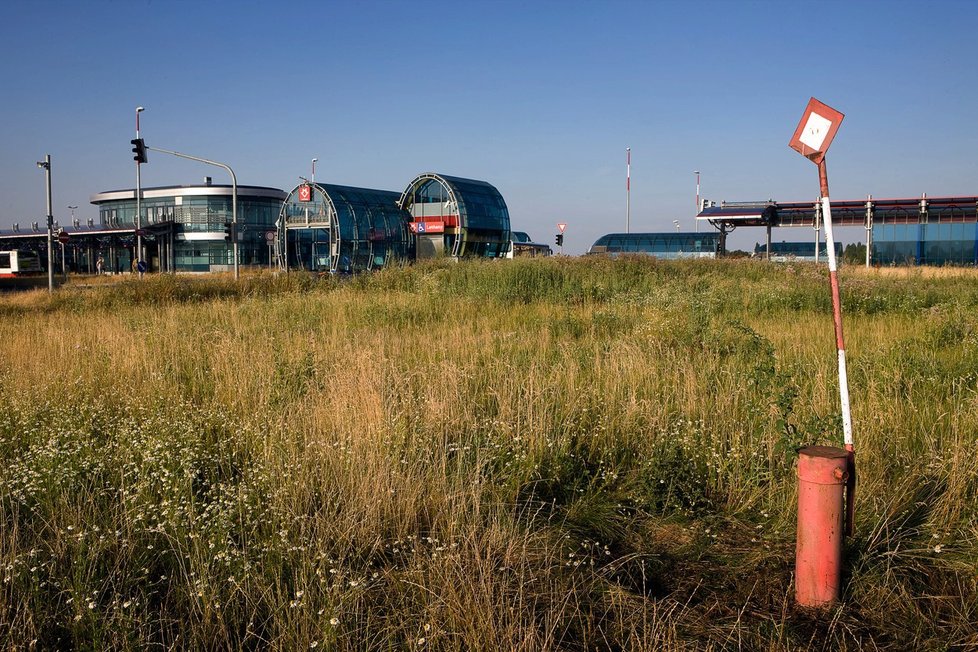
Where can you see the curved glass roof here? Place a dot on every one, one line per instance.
(360, 228)
(472, 213)
(663, 245)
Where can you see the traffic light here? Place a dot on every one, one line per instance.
(229, 232)
(138, 150)
(559, 239)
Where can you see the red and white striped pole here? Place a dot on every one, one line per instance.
(840, 342)
(823, 470)
(628, 189)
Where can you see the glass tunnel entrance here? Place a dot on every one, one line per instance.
(456, 217)
(346, 230)
(341, 229)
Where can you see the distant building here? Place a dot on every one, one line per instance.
(660, 245)
(933, 243)
(315, 227)
(184, 225)
(902, 231)
(182, 228)
(782, 252)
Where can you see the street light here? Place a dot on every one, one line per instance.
(139, 196)
(234, 195)
(46, 166)
(676, 222)
(695, 221)
(314, 169)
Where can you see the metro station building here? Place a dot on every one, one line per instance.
(342, 229)
(317, 227)
(184, 225)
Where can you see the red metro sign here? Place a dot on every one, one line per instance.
(816, 130)
(305, 193)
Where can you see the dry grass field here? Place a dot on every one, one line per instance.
(522, 455)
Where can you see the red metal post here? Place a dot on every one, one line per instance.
(822, 475)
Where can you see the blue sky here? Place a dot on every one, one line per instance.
(538, 98)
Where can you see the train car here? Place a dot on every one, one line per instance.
(21, 270)
(14, 263)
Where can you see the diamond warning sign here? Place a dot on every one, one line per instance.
(816, 130)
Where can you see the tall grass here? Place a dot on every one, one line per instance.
(536, 455)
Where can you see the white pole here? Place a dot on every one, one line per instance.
(869, 228)
(833, 276)
(836, 307)
(817, 234)
(840, 345)
(628, 189)
(696, 223)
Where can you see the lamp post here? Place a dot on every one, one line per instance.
(676, 222)
(139, 196)
(314, 169)
(46, 166)
(696, 223)
(74, 251)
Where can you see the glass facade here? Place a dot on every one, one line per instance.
(660, 245)
(781, 251)
(344, 229)
(200, 213)
(194, 216)
(934, 243)
(472, 213)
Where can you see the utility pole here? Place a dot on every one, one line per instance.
(139, 194)
(46, 166)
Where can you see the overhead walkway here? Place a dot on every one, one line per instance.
(879, 217)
